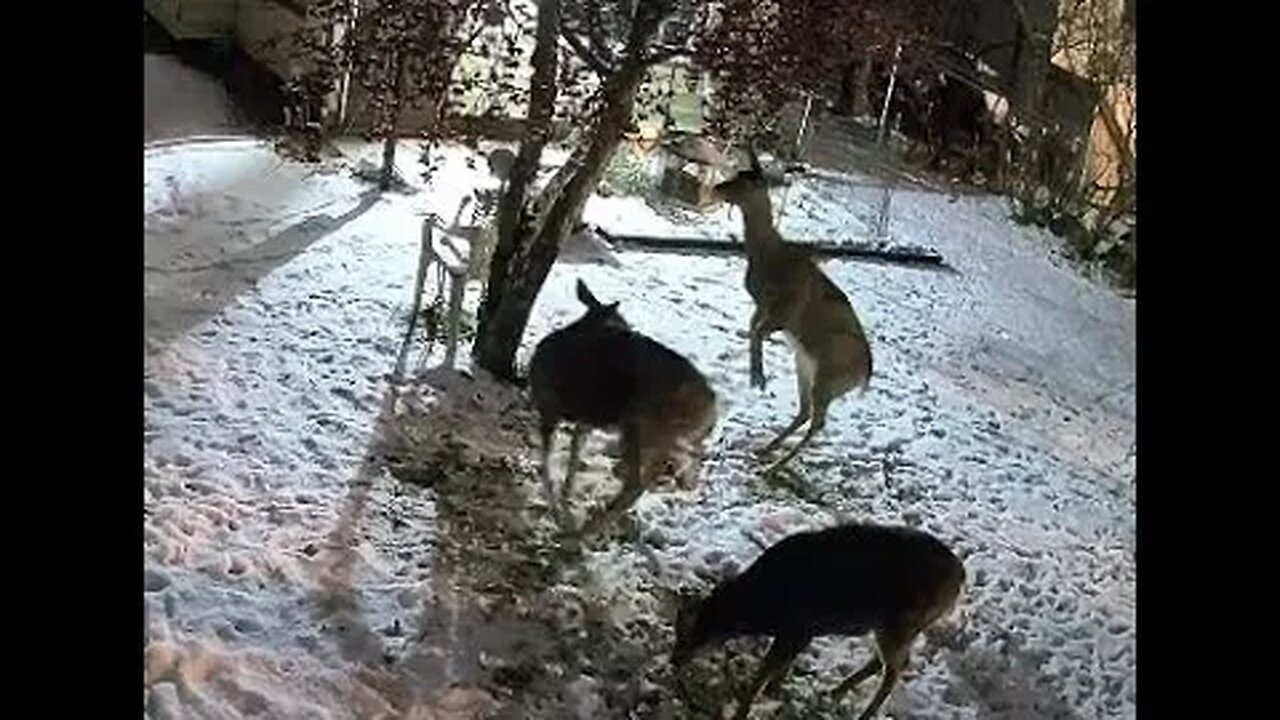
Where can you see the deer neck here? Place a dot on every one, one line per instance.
(757, 227)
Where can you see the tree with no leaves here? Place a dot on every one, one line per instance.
(400, 53)
(766, 54)
(617, 43)
(590, 62)
(761, 54)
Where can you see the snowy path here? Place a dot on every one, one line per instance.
(289, 575)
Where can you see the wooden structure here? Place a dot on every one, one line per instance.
(690, 169)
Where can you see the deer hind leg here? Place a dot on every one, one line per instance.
(755, 353)
(638, 471)
(782, 652)
(821, 400)
(546, 433)
(692, 447)
(894, 649)
(804, 391)
(575, 453)
(685, 467)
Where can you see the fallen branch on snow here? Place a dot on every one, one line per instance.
(907, 255)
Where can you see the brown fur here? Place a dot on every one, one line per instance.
(599, 373)
(792, 294)
(849, 580)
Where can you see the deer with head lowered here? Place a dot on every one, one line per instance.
(848, 580)
(599, 373)
(793, 295)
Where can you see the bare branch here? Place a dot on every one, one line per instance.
(596, 34)
(470, 39)
(663, 53)
(1023, 19)
(645, 21)
(518, 12)
(597, 63)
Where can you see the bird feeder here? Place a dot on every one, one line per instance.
(690, 169)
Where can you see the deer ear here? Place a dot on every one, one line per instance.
(613, 306)
(586, 297)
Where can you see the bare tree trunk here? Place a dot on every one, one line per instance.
(388, 162)
(532, 248)
(512, 214)
(387, 175)
(527, 269)
(862, 88)
(844, 99)
(1032, 48)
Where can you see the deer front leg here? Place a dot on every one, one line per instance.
(637, 474)
(546, 434)
(782, 652)
(761, 328)
(562, 508)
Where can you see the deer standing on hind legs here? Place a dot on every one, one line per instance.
(793, 295)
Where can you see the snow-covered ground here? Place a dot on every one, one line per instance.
(220, 214)
(323, 543)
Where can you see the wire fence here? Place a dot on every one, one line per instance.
(1055, 156)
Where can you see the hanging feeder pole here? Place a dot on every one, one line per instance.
(882, 217)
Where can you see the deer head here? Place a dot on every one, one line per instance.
(747, 183)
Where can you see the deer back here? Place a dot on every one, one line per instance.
(846, 580)
(601, 375)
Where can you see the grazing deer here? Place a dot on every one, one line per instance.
(791, 294)
(848, 580)
(599, 373)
